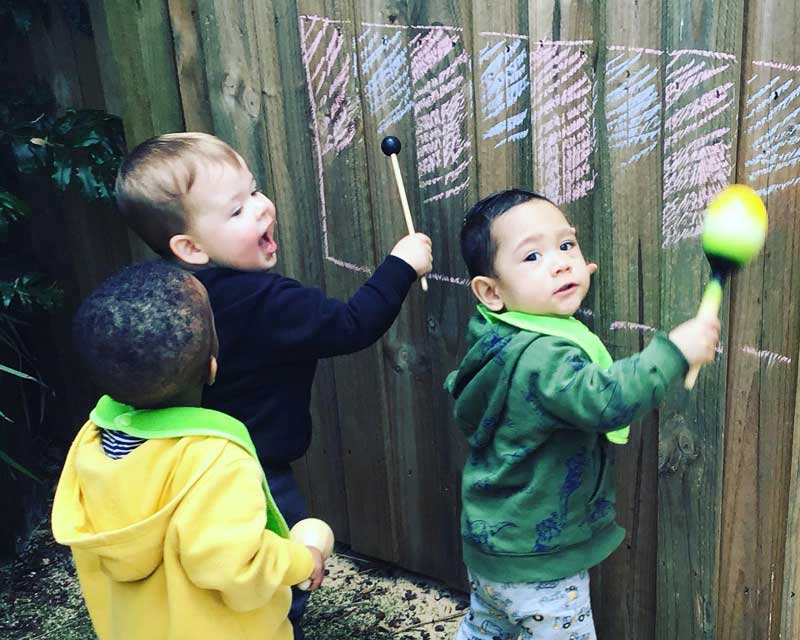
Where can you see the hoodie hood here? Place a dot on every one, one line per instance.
(99, 510)
(481, 383)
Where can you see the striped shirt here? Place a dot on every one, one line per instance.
(117, 444)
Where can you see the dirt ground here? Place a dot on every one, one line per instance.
(360, 600)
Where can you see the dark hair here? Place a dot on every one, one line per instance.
(477, 247)
(146, 333)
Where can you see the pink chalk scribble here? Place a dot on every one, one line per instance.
(385, 73)
(504, 88)
(440, 89)
(700, 96)
(562, 112)
(328, 58)
(771, 120)
(633, 102)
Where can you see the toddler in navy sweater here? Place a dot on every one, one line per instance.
(192, 198)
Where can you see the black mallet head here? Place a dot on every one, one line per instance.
(390, 145)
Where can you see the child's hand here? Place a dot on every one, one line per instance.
(318, 574)
(415, 249)
(697, 339)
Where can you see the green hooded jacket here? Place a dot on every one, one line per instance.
(538, 494)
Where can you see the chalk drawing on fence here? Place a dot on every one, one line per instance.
(633, 102)
(329, 60)
(562, 112)
(386, 80)
(426, 70)
(433, 68)
(772, 122)
(699, 97)
(330, 65)
(504, 89)
(440, 72)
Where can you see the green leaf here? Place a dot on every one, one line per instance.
(16, 465)
(31, 158)
(23, 17)
(12, 204)
(62, 169)
(19, 374)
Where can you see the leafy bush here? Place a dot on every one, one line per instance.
(76, 150)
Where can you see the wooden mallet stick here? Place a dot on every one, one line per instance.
(391, 147)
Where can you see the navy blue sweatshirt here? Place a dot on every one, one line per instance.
(272, 330)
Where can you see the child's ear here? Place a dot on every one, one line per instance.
(485, 290)
(187, 250)
(212, 371)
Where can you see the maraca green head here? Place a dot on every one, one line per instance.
(735, 226)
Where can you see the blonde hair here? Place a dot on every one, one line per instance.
(156, 176)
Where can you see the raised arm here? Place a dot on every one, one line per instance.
(568, 385)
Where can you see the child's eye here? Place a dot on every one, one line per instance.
(533, 256)
(236, 213)
(566, 246)
(255, 190)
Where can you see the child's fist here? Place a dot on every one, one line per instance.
(318, 573)
(415, 249)
(697, 339)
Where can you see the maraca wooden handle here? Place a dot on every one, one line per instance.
(709, 308)
(404, 202)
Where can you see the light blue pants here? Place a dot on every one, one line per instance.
(552, 610)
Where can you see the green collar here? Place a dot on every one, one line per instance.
(568, 328)
(178, 422)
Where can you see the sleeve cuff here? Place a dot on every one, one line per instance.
(301, 564)
(662, 354)
(397, 272)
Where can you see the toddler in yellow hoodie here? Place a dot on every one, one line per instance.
(164, 504)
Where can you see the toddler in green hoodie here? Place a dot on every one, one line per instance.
(541, 403)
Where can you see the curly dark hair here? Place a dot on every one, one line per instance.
(477, 247)
(146, 333)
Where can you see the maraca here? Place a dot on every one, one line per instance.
(391, 147)
(313, 533)
(734, 230)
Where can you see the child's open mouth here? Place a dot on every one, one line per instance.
(268, 244)
(566, 288)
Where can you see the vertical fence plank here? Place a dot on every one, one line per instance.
(294, 189)
(327, 37)
(230, 59)
(440, 63)
(501, 85)
(562, 52)
(383, 35)
(137, 68)
(703, 45)
(790, 611)
(184, 18)
(762, 370)
(627, 228)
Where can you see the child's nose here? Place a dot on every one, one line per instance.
(561, 265)
(265, 208)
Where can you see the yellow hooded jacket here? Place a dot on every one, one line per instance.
(170, 541)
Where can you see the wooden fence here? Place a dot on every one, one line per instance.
(631, 115)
